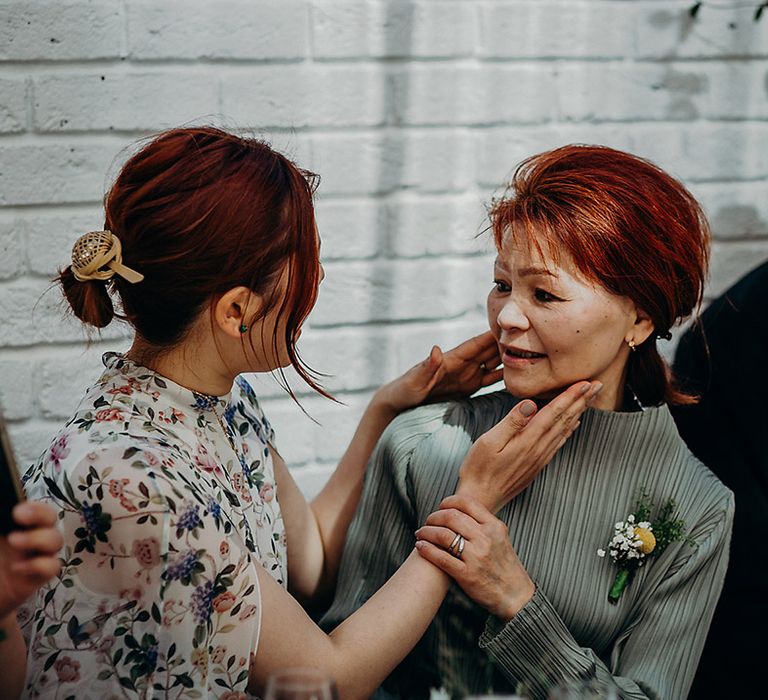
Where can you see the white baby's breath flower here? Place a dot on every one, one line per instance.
(600, 552)
(630, 518)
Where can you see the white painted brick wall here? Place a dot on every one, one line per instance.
(413, 112)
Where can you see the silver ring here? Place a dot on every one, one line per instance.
(456, 541)
(460, 548)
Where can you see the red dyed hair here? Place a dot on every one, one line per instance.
(199, 211)
(627, 226)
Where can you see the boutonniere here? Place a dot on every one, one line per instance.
(638, 537)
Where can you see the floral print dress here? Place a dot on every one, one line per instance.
(167, 502)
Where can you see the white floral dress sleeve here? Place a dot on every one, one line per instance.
(157, 598)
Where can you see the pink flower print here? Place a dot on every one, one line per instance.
(67, 669)
(217, 656)
(125, 389)
(173, 613)
(58, 451)
(136, 593)
(224, 601)
(151, 459)
(116, 487)
(176, 415)
(247, 611)
(128, 504)
(245, 448)
(224, 548)
(237, 481)
(267, 492)
(233, 695)
(108, 414)
(204, 460)
(147, 552)
(247, 495)
(200, 659)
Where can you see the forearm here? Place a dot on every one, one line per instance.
(375, 639)
(364, 649)
(14, 654)
(335, 506)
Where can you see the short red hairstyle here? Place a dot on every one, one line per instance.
(199, 211)
(627, 226)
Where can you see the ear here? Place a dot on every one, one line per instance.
(642, 328)
(235, 309)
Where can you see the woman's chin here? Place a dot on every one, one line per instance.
(535, 393)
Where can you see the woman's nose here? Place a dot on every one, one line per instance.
(512, 317)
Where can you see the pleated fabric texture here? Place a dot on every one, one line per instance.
(647, 646)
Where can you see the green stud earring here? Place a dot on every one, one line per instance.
(243, 328)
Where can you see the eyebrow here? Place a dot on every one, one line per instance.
(531, 271)
(527, 271)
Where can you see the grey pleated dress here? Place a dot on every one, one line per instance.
(646, 646)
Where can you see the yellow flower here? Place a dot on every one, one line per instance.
(647, 538)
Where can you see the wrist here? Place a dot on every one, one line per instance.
(383, 404)
(517, 602)
(482, 492)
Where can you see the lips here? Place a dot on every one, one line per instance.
(525, 354)
(513, 355)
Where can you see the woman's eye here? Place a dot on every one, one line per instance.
(544, 296)
(500, 286)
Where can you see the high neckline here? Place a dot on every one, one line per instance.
(178, 394)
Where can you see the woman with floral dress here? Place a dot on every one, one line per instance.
(177, 512)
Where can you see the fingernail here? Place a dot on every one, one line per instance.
(527, 408)
(596, 387)
(585, 389)
(419, 544)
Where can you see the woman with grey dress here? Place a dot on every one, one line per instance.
(609, 564)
